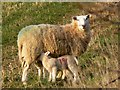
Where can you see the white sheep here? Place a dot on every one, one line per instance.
(63, 63)
(70, 39)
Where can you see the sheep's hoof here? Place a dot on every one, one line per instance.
(49, 80)
(53, 81)
(76, 82)
(63, 77)
(24, 83)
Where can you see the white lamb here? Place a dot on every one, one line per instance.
(63, 63)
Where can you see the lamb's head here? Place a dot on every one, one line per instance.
(44, 55)
(81, 22)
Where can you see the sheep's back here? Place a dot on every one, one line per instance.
(57, 39)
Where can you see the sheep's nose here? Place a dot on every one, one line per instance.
(83, 26)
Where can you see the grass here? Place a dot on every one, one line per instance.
(96, 65)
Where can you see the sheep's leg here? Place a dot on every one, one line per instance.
(64, 74)
(54, 72)
(24, 75)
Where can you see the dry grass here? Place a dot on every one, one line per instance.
(98, 65)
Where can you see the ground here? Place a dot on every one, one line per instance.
(98, 65)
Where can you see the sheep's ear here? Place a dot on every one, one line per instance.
(74, 18)
(88, 16)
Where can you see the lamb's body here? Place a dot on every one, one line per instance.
(63, 63)
(58, 39)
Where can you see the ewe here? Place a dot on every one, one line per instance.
(70, 39)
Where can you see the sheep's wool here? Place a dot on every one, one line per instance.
(58, 39)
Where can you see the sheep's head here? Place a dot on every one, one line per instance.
(81, 22)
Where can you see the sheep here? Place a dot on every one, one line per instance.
(69, 39)
(63, 63)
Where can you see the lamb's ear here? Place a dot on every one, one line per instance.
(47, 53)
(74, 18)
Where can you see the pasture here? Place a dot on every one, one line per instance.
(98, 65)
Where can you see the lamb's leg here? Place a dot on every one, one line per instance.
(39, 71)
(54, 72)
(50, 75)
(74, 71)
(24, 75)
(64, 74)
(76, 77)
(43, 72)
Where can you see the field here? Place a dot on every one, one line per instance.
(98, 65)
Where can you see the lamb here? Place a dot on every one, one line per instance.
(63, 63)
(70, 39)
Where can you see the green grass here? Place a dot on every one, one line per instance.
(102, 52)
(52, 13)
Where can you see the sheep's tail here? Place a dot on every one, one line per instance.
(76, 60)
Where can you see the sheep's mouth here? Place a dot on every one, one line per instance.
(83, 26)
